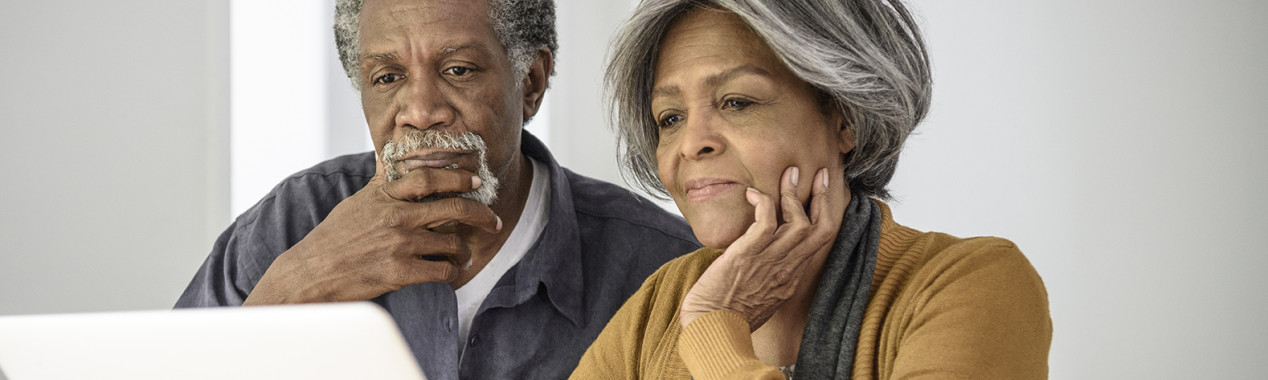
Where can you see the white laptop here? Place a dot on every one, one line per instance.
(321, 341)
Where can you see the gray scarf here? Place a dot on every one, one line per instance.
(836, 313)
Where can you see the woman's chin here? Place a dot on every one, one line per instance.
(717, 235)
(719, 225)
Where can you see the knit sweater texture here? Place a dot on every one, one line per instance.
(940, 307)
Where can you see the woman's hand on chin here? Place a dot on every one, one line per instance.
(764, 267)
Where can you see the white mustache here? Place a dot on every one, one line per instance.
(414, 140)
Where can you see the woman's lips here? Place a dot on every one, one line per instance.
(699, 190)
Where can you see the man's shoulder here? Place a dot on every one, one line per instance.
(356, 167)
(340, 174)
(315, 190)
(603, 201)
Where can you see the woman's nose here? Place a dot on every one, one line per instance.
(423, 104)
(700, 137)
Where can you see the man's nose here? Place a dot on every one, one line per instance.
(424, 104)
(700, 137)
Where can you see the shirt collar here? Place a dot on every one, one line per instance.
(554, 260)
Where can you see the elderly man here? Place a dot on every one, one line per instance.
(494, 260)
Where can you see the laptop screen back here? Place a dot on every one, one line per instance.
(320, 341)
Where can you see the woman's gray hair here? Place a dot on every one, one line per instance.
(865, 57)
(522, 26)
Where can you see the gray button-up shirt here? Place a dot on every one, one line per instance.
(598, 246)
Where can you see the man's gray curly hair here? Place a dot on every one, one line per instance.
(865, 57)
(523, 27)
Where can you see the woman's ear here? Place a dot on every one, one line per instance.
(845, 133)
(845, 139)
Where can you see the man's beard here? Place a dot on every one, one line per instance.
(414, 140)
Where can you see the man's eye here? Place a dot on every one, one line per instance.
(670, 120)
(458, 71)
(388, 78)
(736, 104)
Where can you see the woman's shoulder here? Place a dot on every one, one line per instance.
(986, 258)
(957, 301)
(906, 252)
(936, 260)
(678, 275)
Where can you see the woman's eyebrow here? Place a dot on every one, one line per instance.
(666, 91)
(715, 79)
(720, 78)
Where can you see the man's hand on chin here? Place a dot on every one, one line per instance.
(380, 240)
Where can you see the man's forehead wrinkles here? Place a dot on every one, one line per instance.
(459, 47)
(385, 54)
(380, 57)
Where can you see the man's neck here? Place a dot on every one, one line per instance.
(512, 196)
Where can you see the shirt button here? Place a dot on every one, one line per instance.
(449, 324)
(474, 340)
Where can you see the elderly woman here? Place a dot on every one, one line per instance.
(775, 127)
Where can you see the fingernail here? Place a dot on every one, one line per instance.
(475, 182)
(753, 196)
(499, 228)
(796, 174)
(824, 173)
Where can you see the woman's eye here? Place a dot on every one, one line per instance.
(388, 78)
(458, 71)
(670, 120)
(736, 104)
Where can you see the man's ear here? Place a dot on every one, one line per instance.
(536, 81)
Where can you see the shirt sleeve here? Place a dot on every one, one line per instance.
(222, 280)
(719, 345)
(981, 313)
(248, 247)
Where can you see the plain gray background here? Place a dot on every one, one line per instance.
(1119, 143)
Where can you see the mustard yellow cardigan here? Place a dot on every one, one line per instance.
(940, 307)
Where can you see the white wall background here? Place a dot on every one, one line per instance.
(1117, 142)
(113, 148)
(1120, 144)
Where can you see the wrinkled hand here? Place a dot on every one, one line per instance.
(763, 268)
(373, 242)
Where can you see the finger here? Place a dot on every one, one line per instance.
(824, 229)
(430, 215)
(421, 271)
(763, 211)
(435, 246)
(420, 183)
(818, 196)
(762, 231)
(793, 211)
(380, 173)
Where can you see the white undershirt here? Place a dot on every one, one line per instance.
(532, 221)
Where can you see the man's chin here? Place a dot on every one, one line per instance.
(484, 197)
(439, 196)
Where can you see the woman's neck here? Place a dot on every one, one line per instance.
(777, 342)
